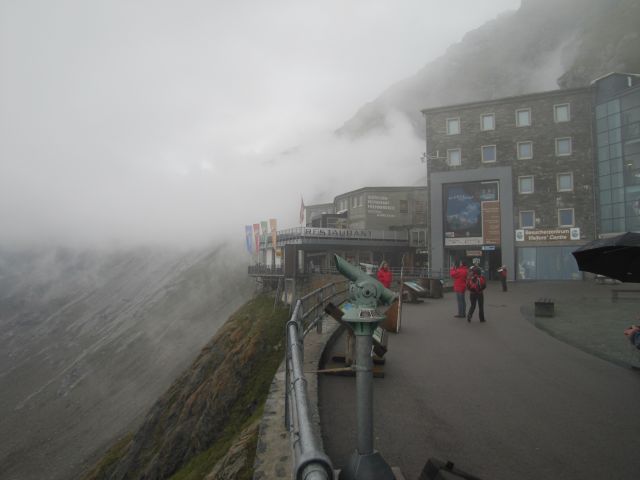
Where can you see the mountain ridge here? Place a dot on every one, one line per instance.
(501, 58)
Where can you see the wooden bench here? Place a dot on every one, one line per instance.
(615, 292)
(544, 307)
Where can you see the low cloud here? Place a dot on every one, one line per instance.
(147, 122)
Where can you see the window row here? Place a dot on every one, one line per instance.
(565, 218)
(351, 202)
(564, 183)
(561, 113)
(524, 151)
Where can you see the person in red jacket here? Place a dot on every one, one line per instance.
(384, 275)
(459, 275)
(503, 277)
(476, 284)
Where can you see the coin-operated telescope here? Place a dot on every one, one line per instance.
(366, 294)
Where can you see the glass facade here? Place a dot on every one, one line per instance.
(547, 263)
(618, 151)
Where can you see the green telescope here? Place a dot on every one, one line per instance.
(366, 290)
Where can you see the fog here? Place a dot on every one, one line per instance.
(133, 122)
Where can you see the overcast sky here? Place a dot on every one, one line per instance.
(157, 120)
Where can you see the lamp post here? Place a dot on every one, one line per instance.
(425, 159)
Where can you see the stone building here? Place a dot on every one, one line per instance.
(512, 182)
(365, 226)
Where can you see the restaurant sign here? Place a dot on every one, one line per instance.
(335, 233)
(548, 235)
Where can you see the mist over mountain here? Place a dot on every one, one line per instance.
(544, 45)
(90, 339)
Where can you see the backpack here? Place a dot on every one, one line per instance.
(476, 284)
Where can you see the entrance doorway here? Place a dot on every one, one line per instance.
(490, 260)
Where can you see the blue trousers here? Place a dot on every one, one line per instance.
(462, 304)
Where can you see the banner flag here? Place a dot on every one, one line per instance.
(274, 229)
(256, 234)
(301, 210)
(264, 225)
(248, 232)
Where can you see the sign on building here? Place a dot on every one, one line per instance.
(471, 213)
(548, 235)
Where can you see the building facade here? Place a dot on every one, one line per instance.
(617, 135)
(512, 183)
(401, 210)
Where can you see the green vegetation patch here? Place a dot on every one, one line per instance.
(110, 458)
(264, 326)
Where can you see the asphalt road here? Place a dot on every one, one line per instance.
(502, 400)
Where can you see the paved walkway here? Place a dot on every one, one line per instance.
(503, 399)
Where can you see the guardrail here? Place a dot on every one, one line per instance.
(261, 269)
(310, 462)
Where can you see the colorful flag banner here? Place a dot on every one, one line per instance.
(256, 234)
(248, 232)
(264, 225)
(274, 232)
(301, 210)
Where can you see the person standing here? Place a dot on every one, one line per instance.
(503, 277)
(476, 283)
(459, 275)
(385, 277)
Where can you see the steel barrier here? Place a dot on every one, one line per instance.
(310, 462)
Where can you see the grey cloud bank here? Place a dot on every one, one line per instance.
(147, 121)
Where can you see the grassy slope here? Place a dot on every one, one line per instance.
(255, 323)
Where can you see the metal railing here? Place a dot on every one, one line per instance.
(261, 269)
(310, 462)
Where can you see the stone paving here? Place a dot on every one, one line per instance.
(585, 318)
(504, 399)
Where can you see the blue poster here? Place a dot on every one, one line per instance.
(463, 208)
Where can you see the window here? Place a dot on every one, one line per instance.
(523, 117)
(525, 184)
(404, 206)
(565, 217)
(453, 126)
(527, 219)
(561, 113)
(487, 122)
(525, 150)
(563, 146)
(488, 153)
(565, 182)
(454, 157)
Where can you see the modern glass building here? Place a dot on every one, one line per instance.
(617, 138)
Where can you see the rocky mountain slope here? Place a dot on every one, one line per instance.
(89, 340)
(544, 45)
(189, 430)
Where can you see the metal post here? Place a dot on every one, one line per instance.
(364, 392)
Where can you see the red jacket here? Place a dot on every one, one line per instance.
(459, 276)
(385, 276)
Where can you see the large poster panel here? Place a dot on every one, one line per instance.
(471, 213)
